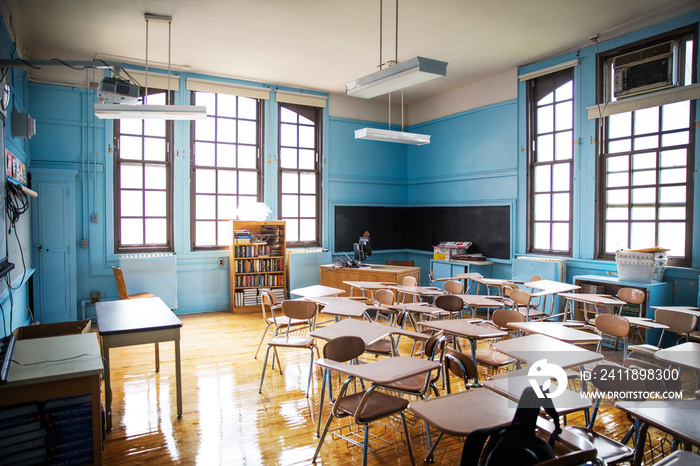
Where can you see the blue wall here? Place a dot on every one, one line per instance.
(474, 159)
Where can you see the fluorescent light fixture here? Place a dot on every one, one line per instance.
(397, 77)
(150, 112)
(385, 135)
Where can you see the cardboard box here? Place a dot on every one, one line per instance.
(447, 249)
(53, 330)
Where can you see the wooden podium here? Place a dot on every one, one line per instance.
(371, 273)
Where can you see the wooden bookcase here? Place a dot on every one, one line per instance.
(255, 263)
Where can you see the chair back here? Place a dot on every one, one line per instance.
(520, 297)
(267, 300)
(409, 281)
(384, 297)
(612, 324)
(502, 317)
(449, 302)
(119, 280)
(460, 365)
(344, 348)
(435, 346)
(631, 295)
(535, 278)
(302, 310)
(680, 323)
(507, 288)
(454, 287)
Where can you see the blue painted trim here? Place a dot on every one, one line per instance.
(472, 111)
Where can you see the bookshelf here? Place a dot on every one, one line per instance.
(257, 259)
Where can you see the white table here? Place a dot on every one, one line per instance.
(556, 330)
(316, 291)
(532, 348)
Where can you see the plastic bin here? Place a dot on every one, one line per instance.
(641, 267)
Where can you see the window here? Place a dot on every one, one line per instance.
(646, 175)
(551, 119)
(226, 173)
(143, 182)
(299, 174)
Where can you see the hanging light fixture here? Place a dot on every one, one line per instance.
(396, 77)
(145, 111)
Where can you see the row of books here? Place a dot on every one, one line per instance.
(251, 296)
(57, 431)
(259, 280)
(612, 290)
(255, 250)
(259, 265)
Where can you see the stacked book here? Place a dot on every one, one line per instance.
(57, 431)
(242, 237)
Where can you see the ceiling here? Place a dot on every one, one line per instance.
(322, 44)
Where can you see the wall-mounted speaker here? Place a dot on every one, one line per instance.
(23, 126)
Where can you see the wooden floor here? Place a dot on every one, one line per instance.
(226, 421)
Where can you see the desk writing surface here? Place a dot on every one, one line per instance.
(677, 417)
(686, 354)
(532, 348)
(134, 315)
(556, 330)
(382, 371)
(61, 357)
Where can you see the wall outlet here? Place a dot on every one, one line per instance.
(94, 294)
(94, 218)
(84, 243)
(221, 262)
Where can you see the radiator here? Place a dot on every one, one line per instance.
(548, 268)
(303, 266)
(151, 273)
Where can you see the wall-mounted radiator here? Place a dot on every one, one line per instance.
(151, 273)
(303, 266)
(548, 268)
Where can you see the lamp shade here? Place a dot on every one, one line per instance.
(385, 135)
(397, 77)
(144, 112)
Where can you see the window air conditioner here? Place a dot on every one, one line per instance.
(649, 69)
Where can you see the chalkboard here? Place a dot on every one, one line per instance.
(421, 228)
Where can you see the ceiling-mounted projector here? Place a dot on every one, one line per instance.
(118, 90)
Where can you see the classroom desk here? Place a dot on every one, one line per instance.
(512, 388)
(418, 291)
(588, 298)
(368, 331)
(364, 286)
(316, 291)
(474, 301)
(677, 417)
(58, 379)
(556, 330)
(336, 276)
(687, 309)
(342, 307)
(532, 348)
(686, 355)
(550, 288)
(466, 328)
(141, 321)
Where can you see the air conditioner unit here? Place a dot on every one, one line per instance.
(118, 90)
(645, 70)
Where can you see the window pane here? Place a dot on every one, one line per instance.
(623, 145)
(225, 233)
(132, 231)
(649, 142)
(645, 177)
(545, 148)
(156, 231)
(131, 203)
(618, 164)
(542, 207)
(131, 176)
(204, 154)
(564, 145)
(290, 183)
(207, 99)
(130, 126)
(565, 91)
(672, 236)
(307, 136)
(542, 236)
(560, 206)
(290, 205)
(562, 177)
(620, 125)
(642, 235)
(225, 130)
(206, 233)
(130, 148)
(227, 181)
(672, 194)
(545, 119)
(247, 108)
(205, 130)
(565, 117)
(288, 135)
(226, 156)
(675, 116)
(205, 207)
(674, 158)
(643, 161)
(307, 159)
(616, 236)
(247, 132)
(543, 178)
(308, 183)
(675, 139)
(287, 116)
(288, 158)
(226, 105)
(646, 121)
(307, 229)
(307, 206)
(156, 177)
(153, 127)
(673, 175)
(248, 183)
(156, 204)
(226, 207)
(671, 213)
(205, 181)
(560, 236)
(292, 230)
(247, 157)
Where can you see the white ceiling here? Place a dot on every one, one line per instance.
(322, 44)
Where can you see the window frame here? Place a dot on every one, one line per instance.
(317, 170)
(169, 189)
(531, 165)
(260, 108)
(601, 155)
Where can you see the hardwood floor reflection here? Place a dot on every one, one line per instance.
(226, 421)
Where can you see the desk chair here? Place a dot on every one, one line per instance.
(490, 358)
(613, 325)
(523, 301)
(123, 294)
(407, 281)
(632, 296)
(268, 303)
(680, 323)
(365, 406)
(293, 336)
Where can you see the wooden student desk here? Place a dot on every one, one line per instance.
(58, 377)
(128, 322)
(334, 277)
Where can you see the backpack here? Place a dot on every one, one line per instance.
(516, 444)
